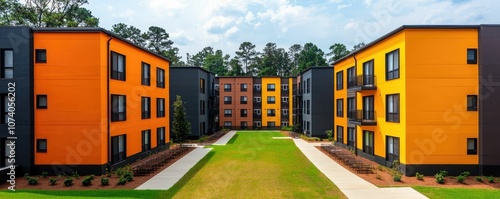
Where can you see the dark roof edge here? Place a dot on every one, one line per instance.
(314, 68)
(408, 27)
(93, 29)
(190, 67)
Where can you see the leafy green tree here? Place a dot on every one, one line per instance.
(215, 63)
(199, 58)
(293, 53)
(158, 41)
(274, 61)
(358, 46)
(235, 67)
(309, 56)
(247, 55)
(181, 127)
(337, 51)
(129, 32)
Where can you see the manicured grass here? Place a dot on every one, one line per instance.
(254, 165)
(436, 192)
(41, 194)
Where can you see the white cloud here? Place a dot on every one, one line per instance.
(340, 7)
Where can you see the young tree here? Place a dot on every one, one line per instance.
(311, 55)
(247, 55)
(337, 51)
(129, 32)
(181, 127)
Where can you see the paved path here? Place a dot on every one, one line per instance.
(225, 139)
(350, 184)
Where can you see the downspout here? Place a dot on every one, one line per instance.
(108, 103)
(356, 134)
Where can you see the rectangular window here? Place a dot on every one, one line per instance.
(257, 112)
(471, 102)
(351, 107)
(308, 85)
(118, 108)
(351, 136)
(160, 107)
(243, 112)
(202, 107)
(146, 107)
(41, 145)
(228, 113)
(41, 56)
(41, 102)
(146, 140)
(202, 128)
(351, 77)
(118, 66)
(228, 100)
(392, 108)
(228, 124)
(243, 99)
(160, 78)
(7, 63)
(5, 108)
(284, 111)
(271, 87)
(368, 108)
(227, 87)
(256, 87)
(284, 124)
(368, 73)
(392, 149)
(146, 74)
(243, 125)
(202, 85)
(271, 124)
(471, 56)
(340, 107)
(271, 100)
(368, 142)
(340, 80)
(257, 123)
(308, 107)
(243, 87)
(118, 148)
(160, 136)
(340, 134)
(392, 65)
(271, 112)
(256, 99)
(284, 87)
(471, 146)
(284, 99)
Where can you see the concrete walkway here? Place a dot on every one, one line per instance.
(350, 184)
(225, 139)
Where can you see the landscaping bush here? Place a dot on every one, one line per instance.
(444, 173)
(461, 178)
(202, 139)
(479, 178)
(396, 177)
(52, 181)
(68, 181)
(32, 180)
(122, 181)
(91, 176)
(329, 134)
(439, 178)
(45, 174)
(465, 174)
(26, 176)
(75, 175)
(129, 176)
(419, 176)
(287, 128)
(104, 181)
(87, 181)
(491, 179)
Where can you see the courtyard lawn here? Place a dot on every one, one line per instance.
(101, 194)
(455, 193)
(253, 165)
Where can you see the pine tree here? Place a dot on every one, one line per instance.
(180, 126)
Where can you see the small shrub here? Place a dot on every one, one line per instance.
(439, 178)
(479, 178)
(444, 173)
(202, 139)
(52, 181)
(461, 178)
(329, 134)
(26, 176)
(75, 175)
(108, 173)
(104, 181)
(91, 176)
(32, 180)
(129, 176)
(465, 174)
(378, 177)
(68, 181)
(87, 181)
(396, 177)
(380, 167)
(45, 174)
(491, 179)
(419, 176)
(122, 181)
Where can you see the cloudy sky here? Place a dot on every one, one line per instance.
(225, 24)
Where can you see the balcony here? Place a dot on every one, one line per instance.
(362, 117)
(362, 82)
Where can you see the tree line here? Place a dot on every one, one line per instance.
(248, 61)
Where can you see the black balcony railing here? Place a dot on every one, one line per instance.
(362, 117)
(365, 82)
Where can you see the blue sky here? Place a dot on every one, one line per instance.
(225, 24)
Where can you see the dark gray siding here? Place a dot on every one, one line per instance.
(322, 100)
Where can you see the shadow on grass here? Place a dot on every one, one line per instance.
(233, 139)
(190, 174)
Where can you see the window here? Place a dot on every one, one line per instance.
(392, 65)
(146, 74)
(160, 136)
(41, 56)
(304, 107)
(284, 111)
(118, 108)
(160, 78)
(228, 124)
(243, 112)
(118, 66)
(271, 124)
(228, 112)
(340, 134)
(271, 112)
(227, 87)
(228, 99)
(340, 80)
(351, 136)
(471, 102)
(368, 108)
(284, 124)
(7, 63)
(202, 128)
(472, 56)
(146, 140)
(271, 100)
(368, 142)
(202, 107)
(41, 145)
(392, 149)
(256, 87)
(284, 99)
(308, 107)
(271, 87)
(160, 107)
(243, 99)
(257, 111)
(308, 85)
(368, 71)
(351, 77)
(202, 85)
(5, 108)
(41, 102)
(257, 123)
(243, 87)
(256, 99)
(471, 146)
(392, 108)
(118, 148)
(351, 107)
(284, 87)
(243, 125)
(216, 87)
(340, 107)
(146, 108)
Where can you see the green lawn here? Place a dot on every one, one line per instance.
(455, 193)
(252, 165)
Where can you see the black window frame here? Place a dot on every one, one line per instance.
(202, 86)
(340, 80)
(230, 101)
(227, 87)
(40, 106)
(116, 115)
(393, 116)
(366, 148)
(340, 107)
(160, 77)
(243, 99)
(474, 58)
(4, 97)
(38, 144)
(351, 77)
(202, 107)
(396, 149)
(145, 74)
(271, 112)
(228, 113)
(394, 73)
(243, 112)
(160, 107)
(243, 87)
(340, 134)
(271, 100)
(115, 73)
(472, 103)
(145, 104)
(308, 81)
(117, 155)
(474, 150)
(146, 146)
(308, 107)
(271, 87)
(3, 66)
(351, 136)
(40, 55)
(160, 132)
